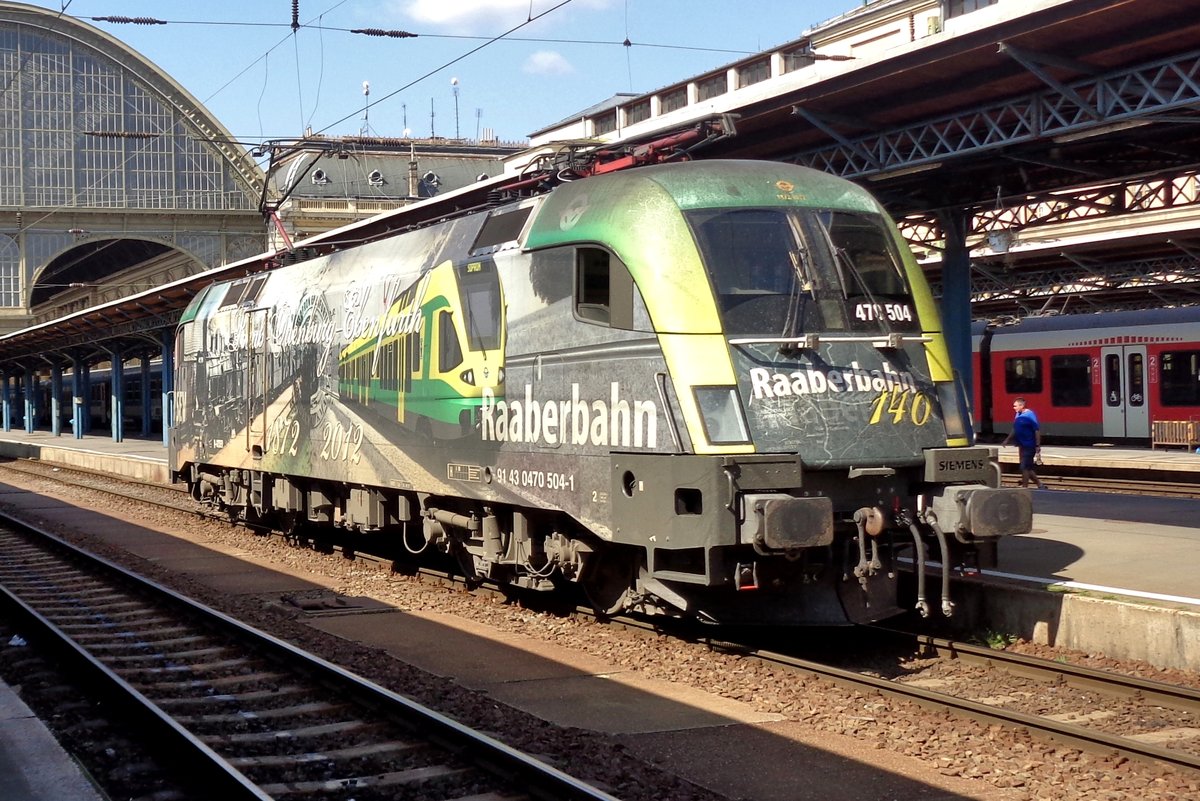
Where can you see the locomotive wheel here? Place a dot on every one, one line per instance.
(608, 580)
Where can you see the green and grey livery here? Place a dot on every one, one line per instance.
(710, 388)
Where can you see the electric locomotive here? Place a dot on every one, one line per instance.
(709, 388)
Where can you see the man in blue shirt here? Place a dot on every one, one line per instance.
(1028, 436)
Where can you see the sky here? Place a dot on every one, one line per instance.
(510, 67)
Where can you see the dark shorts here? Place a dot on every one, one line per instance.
(1028, 457)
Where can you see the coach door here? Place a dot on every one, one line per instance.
(1123, 376)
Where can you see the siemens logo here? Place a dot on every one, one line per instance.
(960, 465)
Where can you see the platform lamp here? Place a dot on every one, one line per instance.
(454, 90)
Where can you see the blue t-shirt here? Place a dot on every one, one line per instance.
(1025, 428)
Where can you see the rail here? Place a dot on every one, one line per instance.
(97, 612)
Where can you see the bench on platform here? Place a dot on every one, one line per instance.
(1167, 433)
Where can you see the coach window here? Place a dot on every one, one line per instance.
(1023, 374)
(1070, 381)
(1137, 372)
(1180, 378)
(1112, 380)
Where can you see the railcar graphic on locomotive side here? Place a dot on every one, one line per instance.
(707, 388)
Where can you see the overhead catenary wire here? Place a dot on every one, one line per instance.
(306, 121)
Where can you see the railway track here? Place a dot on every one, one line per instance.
(1104, 712)
(248, 715)
(1117, 485)
(1171, 715)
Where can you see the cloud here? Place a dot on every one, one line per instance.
(547, 62)
(473, 16)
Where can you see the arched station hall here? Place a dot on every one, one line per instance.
(116, 186)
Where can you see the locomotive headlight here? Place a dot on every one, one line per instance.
(724, 423)
(956, 414)
(468, 377)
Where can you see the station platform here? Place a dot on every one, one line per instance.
(1178, 464)
(33, 766)
(1095, 567)
(142, 459)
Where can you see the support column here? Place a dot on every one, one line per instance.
(81, 414)
(30, 400)
(956, 296)
(116, 384)
(56, 386)
(147, 410)
(168, 384)
(7, 402)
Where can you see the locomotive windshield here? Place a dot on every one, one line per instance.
(786, 272)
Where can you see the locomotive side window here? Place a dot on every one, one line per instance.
(500, 228)
(244, 293)
(1023, 374)
(591, 286)
(1070, 381)
(603, 289)
(1180, 378)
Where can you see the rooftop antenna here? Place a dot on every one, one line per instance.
(478, 117)
(454, 89)
(366, 126)
(432, 135)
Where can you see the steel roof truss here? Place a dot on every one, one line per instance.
(824, 123)
(1033, 62)
(1130, 93)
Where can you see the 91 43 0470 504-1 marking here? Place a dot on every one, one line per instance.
(539, 479)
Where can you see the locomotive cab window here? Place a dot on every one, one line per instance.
(783, 272)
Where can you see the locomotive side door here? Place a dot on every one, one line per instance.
(1124, 385)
